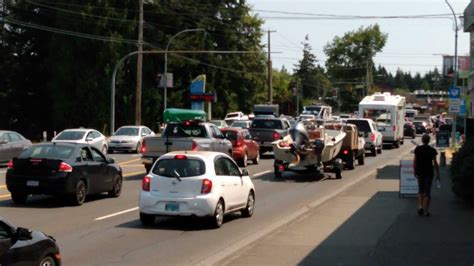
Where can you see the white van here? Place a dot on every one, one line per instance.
(411, 113)
(388, 112)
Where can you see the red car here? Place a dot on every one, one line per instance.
(243, 147)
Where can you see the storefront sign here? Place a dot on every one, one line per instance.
(408, 181)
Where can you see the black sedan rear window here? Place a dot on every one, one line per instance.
(179, 167)
(362, 125)
(48, 152)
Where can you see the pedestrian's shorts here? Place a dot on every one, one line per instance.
(424, 185)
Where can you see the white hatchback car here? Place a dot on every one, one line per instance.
(201, 184)
(83, 136)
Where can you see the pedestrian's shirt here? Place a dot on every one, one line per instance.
(424, 156)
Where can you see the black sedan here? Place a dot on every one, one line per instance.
(20, 246)
(409, 130)
(11, 145)
(420, 127)
(63, 169)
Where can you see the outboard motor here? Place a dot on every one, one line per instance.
(300, 137)
(318, 146)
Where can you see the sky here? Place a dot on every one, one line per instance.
(413, 45)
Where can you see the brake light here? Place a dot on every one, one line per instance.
(394, 128)
(276, 135)
(239, 143)
(142, 148)
(187, 123)
(180, 157)
(345, 152)
(281, 167)
(10, 164)
(64, 167)
(206, 186)
(372, 137)
(194, 146)
(146, 183)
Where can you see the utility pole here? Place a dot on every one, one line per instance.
(138, 94)
(270, 86)
(455, 68)
(367, 81)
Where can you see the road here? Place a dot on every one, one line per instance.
(106, 231)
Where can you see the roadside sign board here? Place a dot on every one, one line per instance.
(454, 92)
(169, 80)
(408, 181)
(442, 139)
(454, 109)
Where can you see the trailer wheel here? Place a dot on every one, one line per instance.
(338, 172)
(361, 159)
(350, 163)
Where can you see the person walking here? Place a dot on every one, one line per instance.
(425, 166)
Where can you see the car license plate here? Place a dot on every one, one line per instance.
(32, 183)
(172, 206)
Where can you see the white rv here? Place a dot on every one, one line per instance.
(388, 112)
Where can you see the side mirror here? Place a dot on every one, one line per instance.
(89, 139)
(245, 172)
(22, 234)
(361, 134)
(110, 160)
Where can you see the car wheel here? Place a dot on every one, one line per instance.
(338, 173)
(81, 191)
(218, 217)
(117, 187)
(104, 150)
(350, 163)
(396, 144)
(257, 159)
(361, 159)
(379, 150)
(19, 197)
(373, 151)
(47, 261)
(402, 141)
(248, 211)
(277, 172)
(147, 219)
(137, 149)
(243, 161)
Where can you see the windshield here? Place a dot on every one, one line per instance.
(312, 109)
(232, 115)
(183, 167)
(184, 131)
(230, 135)
(70, 135)
(240, 124)
(48, 152)
(380, 117)
(362, 125)
(127, 131)
(217, 123)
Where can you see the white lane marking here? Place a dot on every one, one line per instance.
(136, 155)
(262, 173)
(254, 236)
(115, 214)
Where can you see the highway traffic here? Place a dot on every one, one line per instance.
(107, 230)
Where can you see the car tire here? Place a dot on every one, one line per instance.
(147, 219)
(243, 161)
(137, 149)
(257, 158)
(338, 172)
(218, 216)
(361, 159)
(249, 208)
(373, 151)
(277, 172)
(117, 187)
(396, 144)
(47, 261)
(402, 141)
(379, 150)
(18, 197)
(80, 194)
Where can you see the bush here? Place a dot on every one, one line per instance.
(462, 172)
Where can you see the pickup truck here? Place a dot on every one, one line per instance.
(266, 130)
(353, 147)
(187, 135)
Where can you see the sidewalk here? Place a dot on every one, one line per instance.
(370, 224)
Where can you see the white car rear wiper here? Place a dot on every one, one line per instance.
(176, 174)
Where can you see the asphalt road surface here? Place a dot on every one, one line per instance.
(107, 231)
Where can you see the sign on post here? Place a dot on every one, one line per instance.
(454, 99)
(169, 80)
(408, 181)
(442, 139)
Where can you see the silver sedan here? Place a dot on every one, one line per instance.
(83, 136)
(129, 138)
(11, 145)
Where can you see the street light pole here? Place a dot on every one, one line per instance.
(165, 76)
(455, 68)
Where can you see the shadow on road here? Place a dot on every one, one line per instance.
(48, 202)
(134, 177)
(297, 177)
(178, 223)
(389, 172)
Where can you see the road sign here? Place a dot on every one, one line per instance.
(161, 80)
(454, 109)
(454, 101)
(442, 139)
(408, 181)
(454, 92)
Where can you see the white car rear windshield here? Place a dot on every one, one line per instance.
(70, 135)
(362, 125)
(127, 131)
(179, 167)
